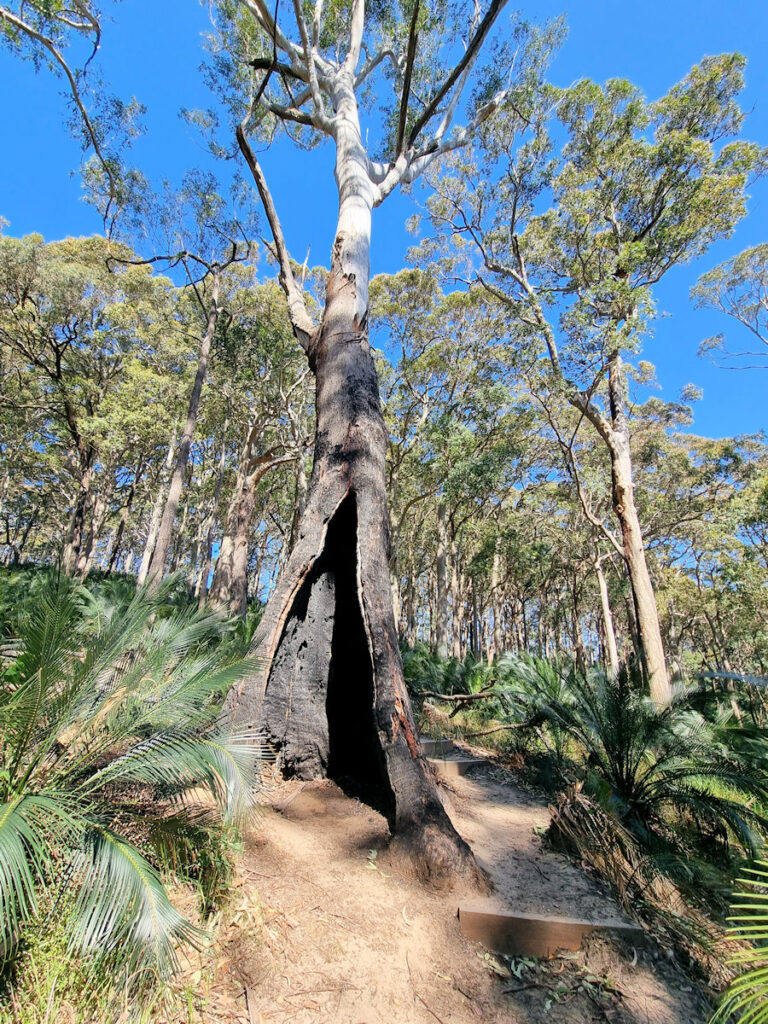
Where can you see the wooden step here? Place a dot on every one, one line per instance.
(451, 767)
(435, 748)
(538, 935)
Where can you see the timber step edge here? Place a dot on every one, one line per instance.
(432, 747)
(452, 767)
(536, 935)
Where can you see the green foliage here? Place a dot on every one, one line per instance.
(737, 289)
(111, 732)
(746, 999)
(682, 787)
(665, 774)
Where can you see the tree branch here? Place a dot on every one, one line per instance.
(10, 18)
(469, 56)
(409, 61)
(303, 326)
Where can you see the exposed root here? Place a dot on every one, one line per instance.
(441, 860)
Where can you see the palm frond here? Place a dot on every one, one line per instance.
(746, 999)
(121, 903)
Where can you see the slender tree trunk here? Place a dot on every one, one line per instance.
(578, 637)
(157, 511)
(443, 610)
(19, 548)
(457, 604)
(76, 532)
(164, 533)
(201, 590)
(609, 633)
(118, 537)
(85, 555)
(179, 540)
(229, 587)
(632, 538)
(331, 696)
(495, 645)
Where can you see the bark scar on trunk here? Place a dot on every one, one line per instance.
(400, 721)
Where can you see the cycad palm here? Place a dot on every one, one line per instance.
(746, 999)
(109, 720)
(652, 768)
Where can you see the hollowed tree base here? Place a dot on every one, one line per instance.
(329, 692)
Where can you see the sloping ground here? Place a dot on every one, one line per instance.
(323, 929)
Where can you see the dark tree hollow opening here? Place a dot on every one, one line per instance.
(355, 758)
(319, 707)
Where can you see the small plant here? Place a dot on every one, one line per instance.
(663, 774)
(110, 739)
(746, 999)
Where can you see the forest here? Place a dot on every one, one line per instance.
(288, 540)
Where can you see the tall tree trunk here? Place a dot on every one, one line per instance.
(85, 555)
(609, 633)
(201, 590)
(76, 533)
(229, 587)
(179, 539)
(331, 695)
(578, 637)
(118, 537)
(157, 511)
(495, 645)
(457, 604)
(634, 550)
(476, 643)
(443, 610)
(163, 543)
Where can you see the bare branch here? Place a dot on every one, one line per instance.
(409, 60)
(321, 118)
(264, 17)
(469, 56)
(303, 326)
(356, 27)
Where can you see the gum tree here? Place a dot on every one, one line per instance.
(64, 37)
(331, 694)
(637, 188)
(739, 289)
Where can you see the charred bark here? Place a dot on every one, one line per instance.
(330, 694)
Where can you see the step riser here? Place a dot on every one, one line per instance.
(534, 935)
(436, 748)
(452, 769)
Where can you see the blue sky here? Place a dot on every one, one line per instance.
(152, 49)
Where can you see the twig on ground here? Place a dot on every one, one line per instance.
(497, 728)
(429, 1009)
(250, 1005)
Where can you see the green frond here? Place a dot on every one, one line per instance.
(746, 999)
(104, 694)
(22, 859)
(121, 907)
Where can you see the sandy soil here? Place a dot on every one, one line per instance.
(323, 929)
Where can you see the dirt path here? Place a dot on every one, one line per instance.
(324, 931)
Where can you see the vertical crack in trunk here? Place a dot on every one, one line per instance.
(318, 707)
(356, 759)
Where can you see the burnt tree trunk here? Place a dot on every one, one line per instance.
(331, 696)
